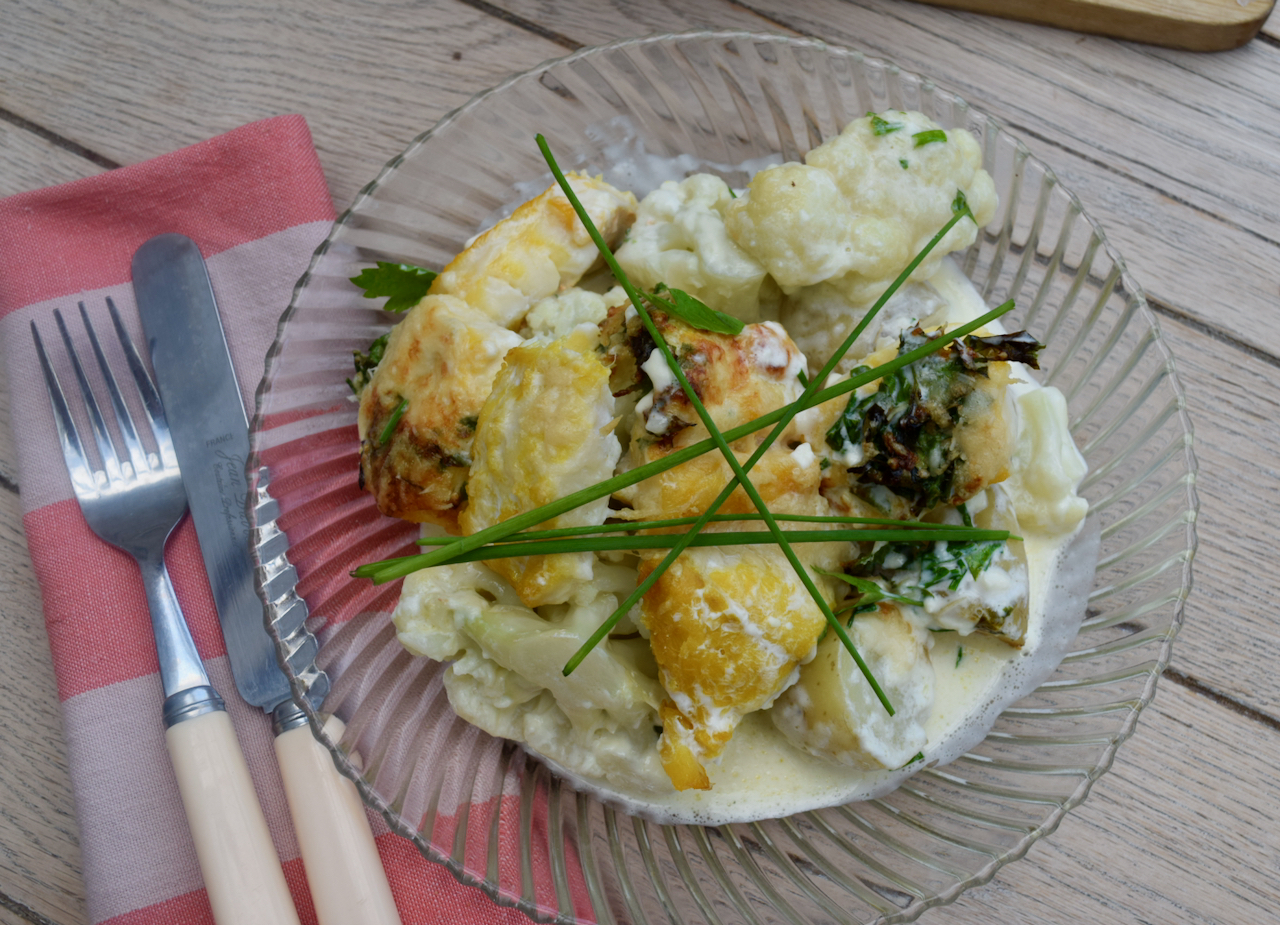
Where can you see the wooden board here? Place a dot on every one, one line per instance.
(1196, 25)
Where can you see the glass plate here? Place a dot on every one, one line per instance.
(496, 818)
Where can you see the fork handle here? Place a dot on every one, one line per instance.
(242, 873)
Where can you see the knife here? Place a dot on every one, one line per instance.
(201, 398)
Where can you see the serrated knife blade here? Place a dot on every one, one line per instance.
(211, 439)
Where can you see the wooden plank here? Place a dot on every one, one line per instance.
(1182, 830)
(1231, 639)
(40, 858)
(28, 161)
(1271, 28)
(132, 82)
(1196, 25)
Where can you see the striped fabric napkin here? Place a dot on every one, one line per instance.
(256, 203)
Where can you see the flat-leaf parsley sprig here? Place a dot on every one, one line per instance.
(402, 283)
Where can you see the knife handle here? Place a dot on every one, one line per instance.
(348, 883)
(242, 873)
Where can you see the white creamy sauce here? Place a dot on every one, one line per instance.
(760, 775)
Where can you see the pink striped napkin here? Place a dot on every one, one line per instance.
(256, 202)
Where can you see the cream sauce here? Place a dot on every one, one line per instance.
(760, 775)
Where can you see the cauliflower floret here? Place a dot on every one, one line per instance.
(557, 315)
(542, 435)
(540, 250)
(819, 318)
(1047, 467)
(679, 239)
(862, 204)
(833, 713)
(506, 673)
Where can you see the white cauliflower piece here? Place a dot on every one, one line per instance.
(833, 713)
(506, 676)
(1047, 468)
(557, 315)
(863, 204)
(679, 239)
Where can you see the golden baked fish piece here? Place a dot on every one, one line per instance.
(541, 249)
(441, 361)
(543, 433)
(442, 358)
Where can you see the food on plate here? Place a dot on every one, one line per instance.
(449, 349)
(928, 504)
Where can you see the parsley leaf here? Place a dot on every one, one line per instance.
(881, 126)
(694, 312)
(932, 135)
(403, 283)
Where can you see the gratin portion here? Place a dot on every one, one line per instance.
(728, 626)
(516, 385)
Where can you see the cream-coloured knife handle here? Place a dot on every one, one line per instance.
(348, 884)
(242, 873)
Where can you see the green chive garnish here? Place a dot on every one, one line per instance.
(923, 138)
(393, 421)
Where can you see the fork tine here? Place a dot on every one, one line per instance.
(137, 454)
(146, 388)
(106, 449)
(82, 480)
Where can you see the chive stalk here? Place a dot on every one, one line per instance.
(391, 569)
(739, 473)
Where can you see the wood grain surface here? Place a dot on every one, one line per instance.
(1196, 25)
(1177, 154)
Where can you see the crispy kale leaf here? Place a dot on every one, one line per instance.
(906, 429)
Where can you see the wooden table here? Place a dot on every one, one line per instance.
(1177, 155)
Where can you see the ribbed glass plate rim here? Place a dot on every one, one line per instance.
(1107, 756)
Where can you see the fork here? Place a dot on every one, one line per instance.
(134, 502)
